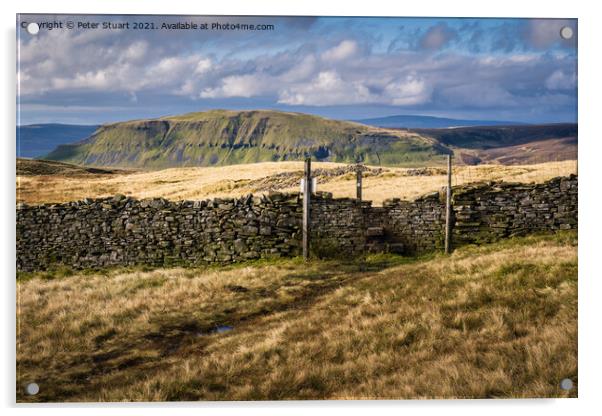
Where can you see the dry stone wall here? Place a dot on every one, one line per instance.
(481, 213)
(489, 212)
(414, 226)
(126, 231)
(337, 226)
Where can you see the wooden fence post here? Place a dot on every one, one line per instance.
(448, 207)
(306, 206)
(358, 183)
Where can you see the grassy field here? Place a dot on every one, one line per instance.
(234, 181)
(491, 321)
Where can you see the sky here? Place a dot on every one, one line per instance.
(338, 67)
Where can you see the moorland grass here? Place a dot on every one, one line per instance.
(496, 320)
(236, 181)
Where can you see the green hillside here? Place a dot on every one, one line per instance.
(221, 137)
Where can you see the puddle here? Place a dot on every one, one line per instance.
(219, 329)
(222, 328)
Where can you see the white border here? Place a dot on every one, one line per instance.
(590, 146)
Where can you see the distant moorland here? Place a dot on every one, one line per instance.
(414, 122)
(41, 181)
(220, 137)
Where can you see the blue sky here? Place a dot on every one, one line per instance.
(344, 68)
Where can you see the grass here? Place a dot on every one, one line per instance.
(233, 181)
(497, 320)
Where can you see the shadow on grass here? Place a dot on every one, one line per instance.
(173, 334)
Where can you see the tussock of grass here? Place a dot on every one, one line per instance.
(491, 321)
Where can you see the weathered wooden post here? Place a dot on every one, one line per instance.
(306, 205)
(358, 183)
(448, 207)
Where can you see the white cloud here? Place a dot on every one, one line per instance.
(169, 65)
(408, 91)
(558, 80)
(343, 50)
(510, 60)
(202, 66)
(328, 88)
(237, 86)
(105, 61)
(523, 58)
(88, 80)
(135, 52)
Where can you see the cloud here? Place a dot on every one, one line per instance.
(327, 88)
(410, 90)
(559, 80)
(301, 70)
(136, 51)
(238, 86)
(173, 69)
(441, 67)
(343, 50)
(203, 65)
(91, 79)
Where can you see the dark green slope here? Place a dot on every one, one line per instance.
(223, 137)
(491, 137)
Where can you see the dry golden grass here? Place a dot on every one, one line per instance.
(232, 181)
(490, 321)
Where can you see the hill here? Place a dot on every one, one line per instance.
(36, 140)
(499, 136)
(509, 145)
(223, 137)
(414, 122)
(496, 320)
(35, 167)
